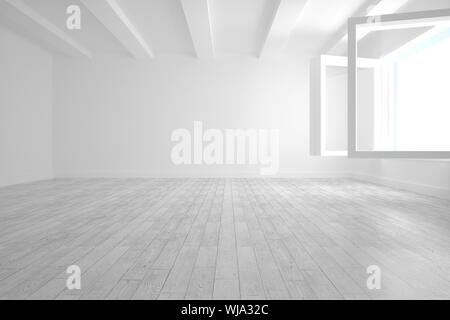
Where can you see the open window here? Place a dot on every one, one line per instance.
(401, 107)
(328, 103)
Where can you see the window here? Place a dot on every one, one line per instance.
(401, 107)
(328, 104)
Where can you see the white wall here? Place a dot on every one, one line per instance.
(25, 111)
(114, 117)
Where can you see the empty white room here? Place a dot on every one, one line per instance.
(225, 150)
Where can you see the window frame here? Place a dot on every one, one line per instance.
(318, 101)
(353, 23)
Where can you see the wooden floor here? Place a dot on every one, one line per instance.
(221, 239)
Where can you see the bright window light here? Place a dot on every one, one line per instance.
(418, 104)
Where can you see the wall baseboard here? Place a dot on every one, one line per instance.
(403, 185)
(407, 186)
(125, 175)
(23, 182)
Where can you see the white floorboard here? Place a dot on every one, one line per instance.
(221, 239)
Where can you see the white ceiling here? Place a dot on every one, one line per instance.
(240, 26)
(322, 20)
(93, 35)
(161, 23)
(171, 27)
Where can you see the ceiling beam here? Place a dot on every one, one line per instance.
(198, 19)
(43, 22)
(369, 8)
(112, 16)
(283, 22)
